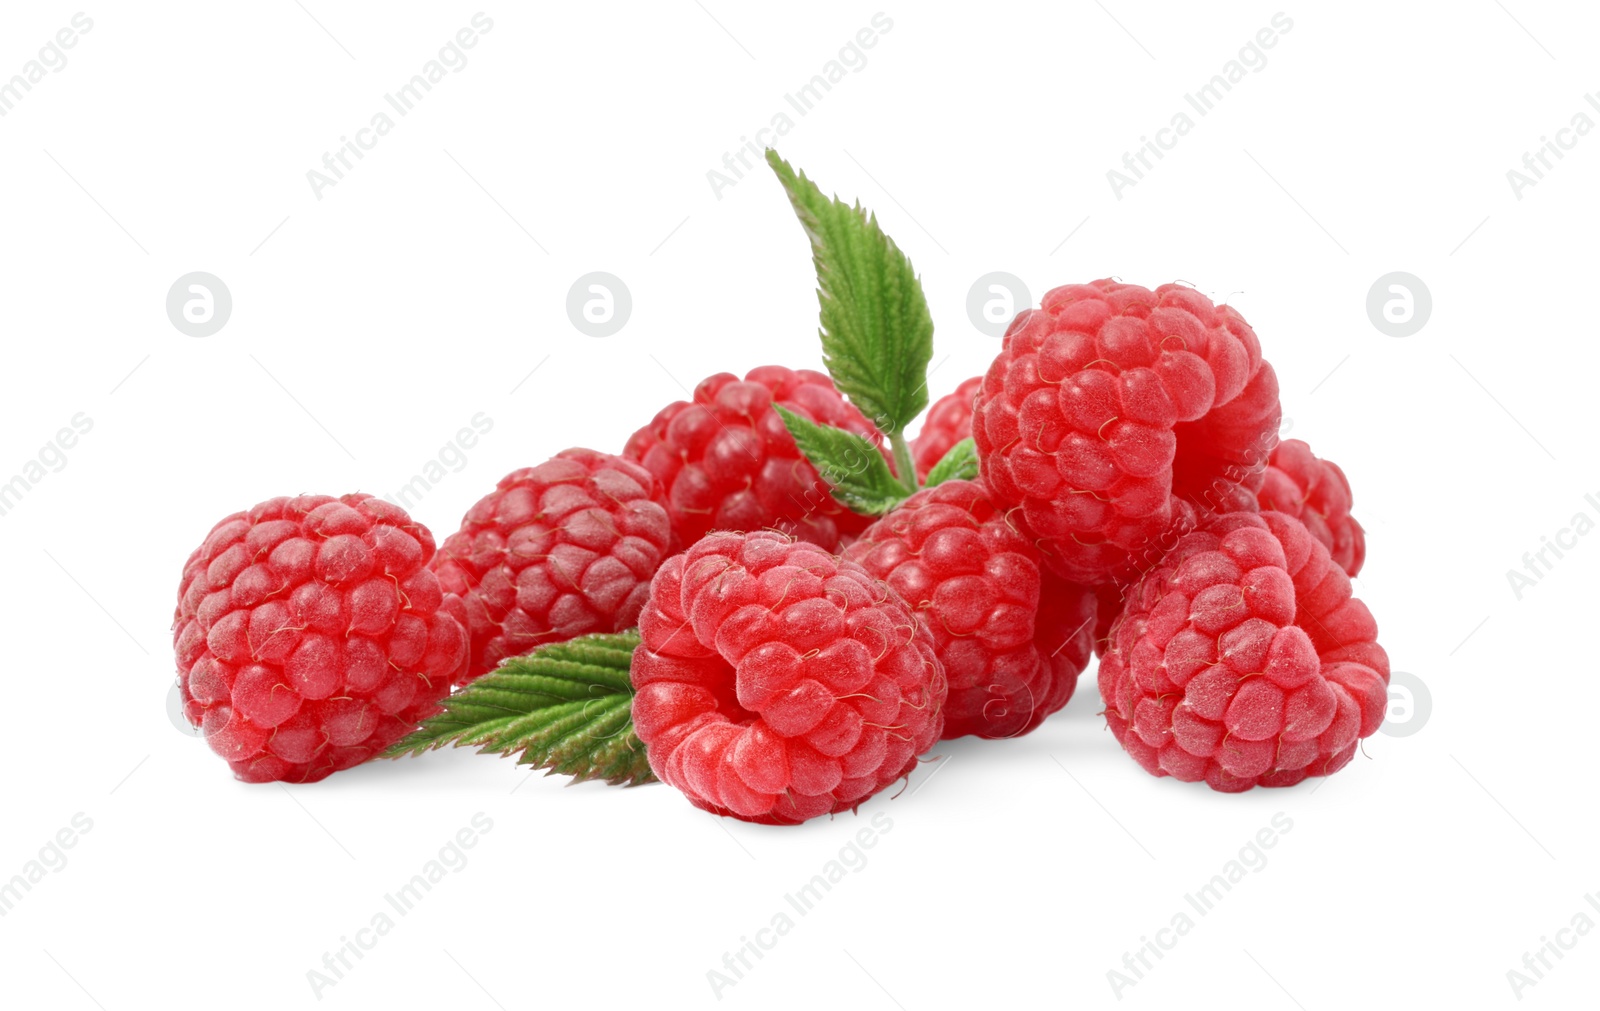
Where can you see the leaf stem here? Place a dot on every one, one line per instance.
(903, 466)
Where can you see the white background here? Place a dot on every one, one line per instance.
(369, 325)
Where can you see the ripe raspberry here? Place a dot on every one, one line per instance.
(776, 682)
(1112, 404)
(728, 463)
(1243, 660)
(1318, 494)
(554, 552)
(949, 421)
(974, 581)
(310, 635)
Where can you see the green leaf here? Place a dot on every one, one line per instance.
(851, 466)
(960, 464)
(566, 707)
(877, 336)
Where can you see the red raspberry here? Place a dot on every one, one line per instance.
(728, 463)
(311, 635)
(949, 421)
(1112, 404)
(1221, 460)
(1243, 660)
(554, 552)
(974, 581)
(1318, 494)
(776, 682)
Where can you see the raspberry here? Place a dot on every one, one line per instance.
(1109, 407)
(554, 552)
(949, 421)
(776, 682)
(1318, 494)
(310, 635)
(1243, 660)
(974, 581)
(1221, 460)
(728, 463)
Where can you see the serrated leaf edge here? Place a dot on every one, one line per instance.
(541, 707)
